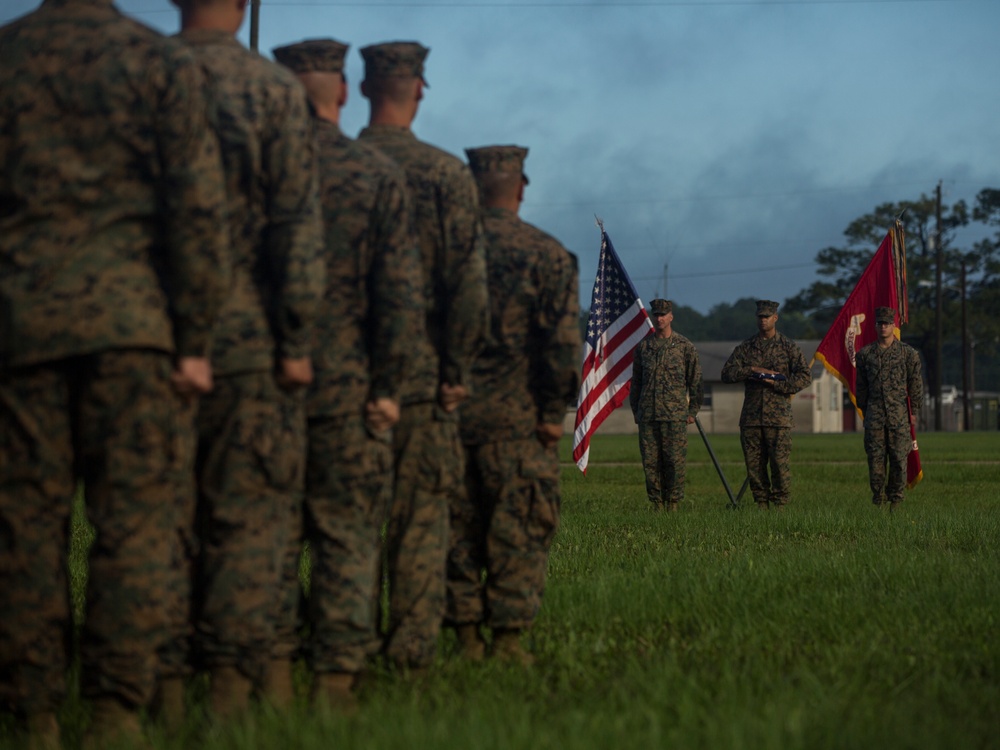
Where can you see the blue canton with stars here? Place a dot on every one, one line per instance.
(613, 292)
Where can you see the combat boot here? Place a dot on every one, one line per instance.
(335, 691)
(762, 505)
(168, 706)
(43, 731)
(672, 507)
(278, 688)
(228, 693)
(113, 724)
(507, 647)
(470, 643)
(894, 505)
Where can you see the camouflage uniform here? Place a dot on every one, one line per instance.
(527, 374)
(110, 192)
(666, 390)
(427, 451)
(766, 419)
(888, 381)
(373, 296)
(251, 431)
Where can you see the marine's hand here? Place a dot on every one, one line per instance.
(192, 376)
(548, 434)
(381, 414)
(294, 373)
(450, 396)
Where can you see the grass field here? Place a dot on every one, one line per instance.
(830, 625)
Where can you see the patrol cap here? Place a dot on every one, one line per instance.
(766, 308)
(313, 56)
(661, 306)
(885, 315)
(395, 59)
(488, 159)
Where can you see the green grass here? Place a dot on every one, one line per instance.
(830, 625)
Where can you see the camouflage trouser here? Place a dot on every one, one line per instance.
(429, 465)
(175, 655)
(765, 447)
(504, 524)
(887, 445)
(348, 478)
(111, 420)
(663, 446)
(251, 459)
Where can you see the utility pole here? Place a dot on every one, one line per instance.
(938, 317)
(254, 23)
(665, 296)
(966, 385)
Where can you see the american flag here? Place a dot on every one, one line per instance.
(617, 323)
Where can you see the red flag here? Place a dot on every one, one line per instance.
(883, 284)
(617, 323)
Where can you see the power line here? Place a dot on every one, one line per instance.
(604, 4)
(574, 4)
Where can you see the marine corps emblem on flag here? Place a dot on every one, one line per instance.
(851, 335)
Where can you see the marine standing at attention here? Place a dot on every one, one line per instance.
(372, 304)
(522, 382)
(773, 369)
(428, 458)
(111, 191)
(251, 428)
(888, 385)
(665, 396)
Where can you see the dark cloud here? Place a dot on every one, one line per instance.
(730, 142)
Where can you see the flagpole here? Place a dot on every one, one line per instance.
(254, 24)
(718, 468)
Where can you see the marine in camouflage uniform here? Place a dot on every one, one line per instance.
(772, 369)
(111, 191)
(522, 383)
(427, 451)
(665, 395)
(251, 428)
(888, 382)
(373, 299)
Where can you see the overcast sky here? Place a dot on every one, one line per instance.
(728, 141)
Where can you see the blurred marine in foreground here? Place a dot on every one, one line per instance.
(522, 382)
(251, 428)
(427, 452)
(113, 267)
(372, 304)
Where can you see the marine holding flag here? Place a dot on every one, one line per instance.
(888, 382)
(882, 285)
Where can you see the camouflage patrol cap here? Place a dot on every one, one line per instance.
(313, 56)
(766, 308)
(661, 306)
(498, 159)
(885, 315)
(394, 59)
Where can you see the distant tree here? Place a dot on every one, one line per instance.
(735, 322)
